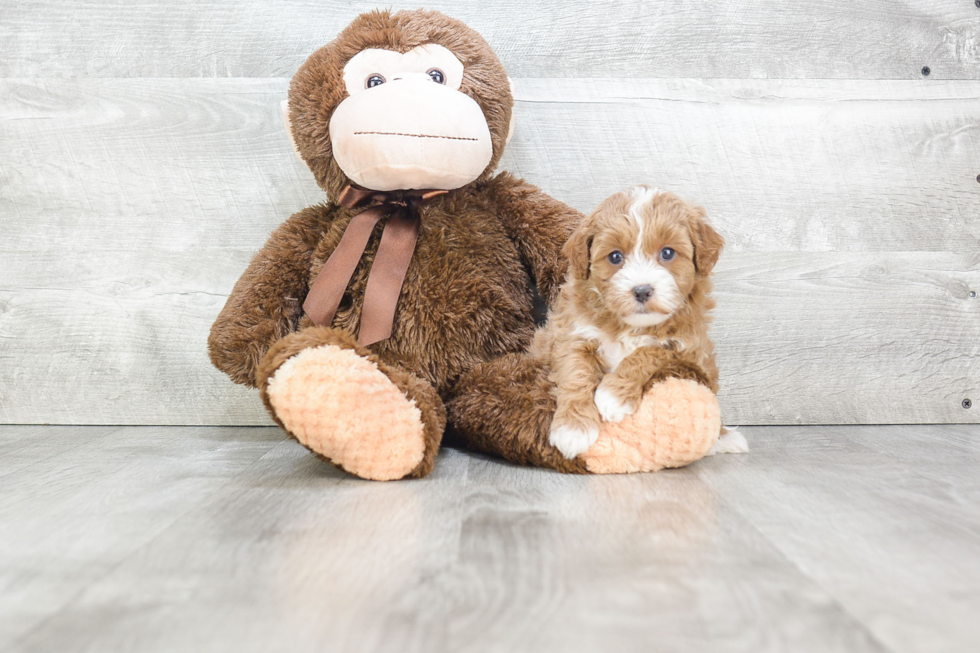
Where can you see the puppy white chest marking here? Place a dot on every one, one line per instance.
(586, 331)
(614, 352)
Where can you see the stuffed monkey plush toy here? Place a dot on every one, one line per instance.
(408, 292)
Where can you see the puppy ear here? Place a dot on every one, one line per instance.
(707, 242)
(578, 251)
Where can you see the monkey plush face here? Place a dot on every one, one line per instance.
(405, 124)
(408, 100)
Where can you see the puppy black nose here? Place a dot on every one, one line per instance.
(642, 293)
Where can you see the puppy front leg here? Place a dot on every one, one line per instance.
(620, 392)
(575, 426)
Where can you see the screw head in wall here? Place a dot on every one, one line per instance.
(978, 176)
(926, 70)
(973, 294)
(977, 3)
(967, 403)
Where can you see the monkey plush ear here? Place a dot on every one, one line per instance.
(578, 251)
(287, 123)
(707, 242)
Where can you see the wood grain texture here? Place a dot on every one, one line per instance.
(780, 165)
(875, 500)
(104, 496)
(842, 338)
(874, 39)
(798, 166)
(137, 165)
(129, 208)
(23, 446)
(164, 539)
(801, 338)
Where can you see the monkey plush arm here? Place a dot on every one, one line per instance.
(267, 302)
(539, 225)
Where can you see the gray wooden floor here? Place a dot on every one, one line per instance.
(234, 539)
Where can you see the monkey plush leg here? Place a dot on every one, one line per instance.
(374, 420)
(504, 407)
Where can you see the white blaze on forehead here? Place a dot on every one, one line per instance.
(642, 195)
(642, 270)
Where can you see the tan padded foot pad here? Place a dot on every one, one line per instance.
(677, 423)
(343, 407)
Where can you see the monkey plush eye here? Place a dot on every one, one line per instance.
(437, 76)
(374, 80)
(616, 258)
(667, 254)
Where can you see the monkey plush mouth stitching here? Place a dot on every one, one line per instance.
(451, 138)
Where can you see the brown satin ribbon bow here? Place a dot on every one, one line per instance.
(390, 263)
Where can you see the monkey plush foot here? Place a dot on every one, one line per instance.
(344, 408)
(676, 424)
(376, 421)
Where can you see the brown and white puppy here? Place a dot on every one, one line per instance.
(636, 302)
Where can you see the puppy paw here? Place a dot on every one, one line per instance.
(572, 440)
(731, 442)
(611, 409)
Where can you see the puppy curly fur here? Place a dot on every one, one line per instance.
(634, 310)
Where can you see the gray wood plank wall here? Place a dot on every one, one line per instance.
(143, 161)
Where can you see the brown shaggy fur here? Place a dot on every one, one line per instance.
(504, 407)
(589, 323)
(467, 295)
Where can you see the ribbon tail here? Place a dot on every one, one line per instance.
(387, 275)
(328, 288)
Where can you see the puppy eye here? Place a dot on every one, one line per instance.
(667, 254)
(616, 257)
(374, 80)
(437, 76)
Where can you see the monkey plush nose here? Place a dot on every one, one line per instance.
(642, 293)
